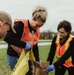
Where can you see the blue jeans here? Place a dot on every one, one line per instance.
(12, 61)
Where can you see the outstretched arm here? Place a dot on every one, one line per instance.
(64, 57)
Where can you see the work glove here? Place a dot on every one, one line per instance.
(50, 68)
(27, 47)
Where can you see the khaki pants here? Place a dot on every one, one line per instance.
(41, 71)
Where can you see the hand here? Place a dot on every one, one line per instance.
(27, 47)
(37, 64)
(50, 68)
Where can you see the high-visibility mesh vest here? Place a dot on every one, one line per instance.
(27, 36)
(60, 50)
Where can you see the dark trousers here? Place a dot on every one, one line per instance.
(61, 70)
(30, 72)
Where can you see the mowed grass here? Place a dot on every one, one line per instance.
(4, 68)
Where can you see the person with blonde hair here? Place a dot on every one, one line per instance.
(5, 23)
(27, 37)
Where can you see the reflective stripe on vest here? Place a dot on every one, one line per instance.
(27, 36)
(60, 50)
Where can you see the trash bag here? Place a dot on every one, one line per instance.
(22, 67)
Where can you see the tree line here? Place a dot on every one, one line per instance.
(49, 34)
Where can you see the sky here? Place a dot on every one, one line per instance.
(58, 10)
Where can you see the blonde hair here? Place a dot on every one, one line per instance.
(40, 12)
(4, 16)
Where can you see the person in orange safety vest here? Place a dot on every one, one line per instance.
(27, 37)
(62, 47)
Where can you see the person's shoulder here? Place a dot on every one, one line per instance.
(18, 25)
(19, 22)
(72, 37)
(72, 41)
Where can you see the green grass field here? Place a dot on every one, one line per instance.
(4, 68)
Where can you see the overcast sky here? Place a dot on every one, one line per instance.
(58, 10)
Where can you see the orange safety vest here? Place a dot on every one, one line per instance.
(27, 36)
(60, 50)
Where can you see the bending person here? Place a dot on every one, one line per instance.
(27, 37)
(62, 48)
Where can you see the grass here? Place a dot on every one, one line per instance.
(4, 68)
(43, 52)
(3, 42)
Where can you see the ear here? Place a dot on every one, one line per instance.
(33, 18)
(0, 23)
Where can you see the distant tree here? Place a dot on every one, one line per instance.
(43, 35)
(72, 32)
(46, 34)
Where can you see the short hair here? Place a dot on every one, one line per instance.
(66, 25)
(4, 16)
(40, 12)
